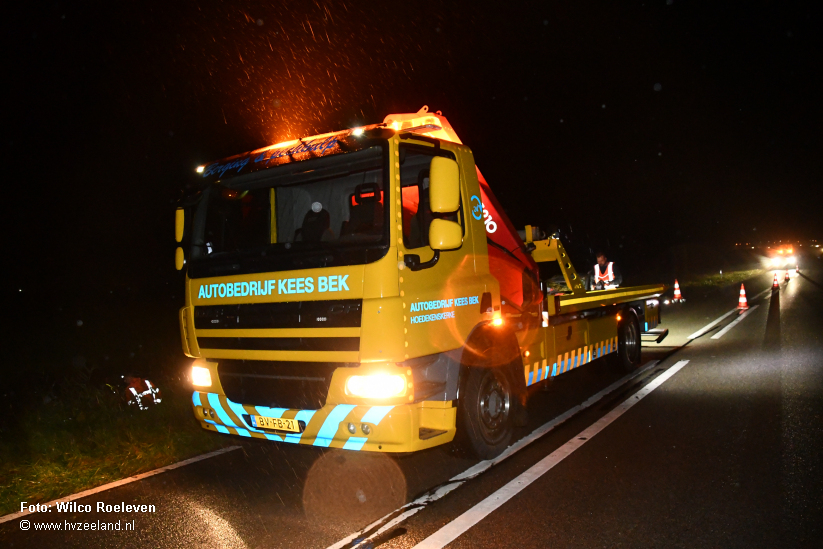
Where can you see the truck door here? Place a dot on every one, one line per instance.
(441, 300)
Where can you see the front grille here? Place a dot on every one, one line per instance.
(341, 313)
(281, 343)
(277, 384)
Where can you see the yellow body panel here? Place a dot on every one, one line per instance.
(305, 356)
(282, 332)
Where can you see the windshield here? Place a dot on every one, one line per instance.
(318, 213)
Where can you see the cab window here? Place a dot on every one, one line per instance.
(414, 195)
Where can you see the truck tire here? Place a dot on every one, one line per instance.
(628, 341)
(485, 411)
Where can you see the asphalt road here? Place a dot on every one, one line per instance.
(724, 453)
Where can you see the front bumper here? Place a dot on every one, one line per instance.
(401, 428)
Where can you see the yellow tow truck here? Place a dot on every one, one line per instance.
(364, 290)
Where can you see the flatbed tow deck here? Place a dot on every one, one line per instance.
(364, 290)
(582, 304)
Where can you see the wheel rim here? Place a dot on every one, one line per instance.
(630, 341)
(494, 405)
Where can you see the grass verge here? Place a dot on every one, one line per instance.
(89, 437)
(718, 281)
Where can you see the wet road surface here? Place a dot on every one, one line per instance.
(724, 453)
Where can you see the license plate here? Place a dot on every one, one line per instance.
(277, 423)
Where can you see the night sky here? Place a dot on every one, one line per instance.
(649, 123)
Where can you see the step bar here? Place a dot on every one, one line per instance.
(658, 333)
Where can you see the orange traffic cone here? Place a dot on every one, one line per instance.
(678, 297)
(742, 303)
(775, 284)
(787, 277)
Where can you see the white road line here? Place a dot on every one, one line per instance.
(121, 482)
(369, 533)
(761, 294)
(731, 325)
(717, 321)
(461, 524)
(711, 325)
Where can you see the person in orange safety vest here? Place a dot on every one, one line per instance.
(605, 274)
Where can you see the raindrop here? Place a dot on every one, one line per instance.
(79, 322)
(259, 22)
(669, 2)
(658, 87)
(276, 103)
(659, 154)
(603, 106)
(545, 22)
(561, 120)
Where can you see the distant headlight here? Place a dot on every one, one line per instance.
(200, 377)
(791, 259)
(777, 261)
(376, 386)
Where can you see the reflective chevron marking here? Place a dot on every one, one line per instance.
(575, 358)
(322, 432)
(329, 428)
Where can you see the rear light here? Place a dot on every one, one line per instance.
(200, 376)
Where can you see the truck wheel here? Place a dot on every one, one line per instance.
(628, 341)
(484, 412)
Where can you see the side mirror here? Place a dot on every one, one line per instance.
(179, 258)
(179, 224)
(445, 235)
(444, 185)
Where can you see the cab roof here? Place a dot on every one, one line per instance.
(433, 125)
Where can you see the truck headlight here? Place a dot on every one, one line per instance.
(376, 386)
(200, 376)
(776, 261)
